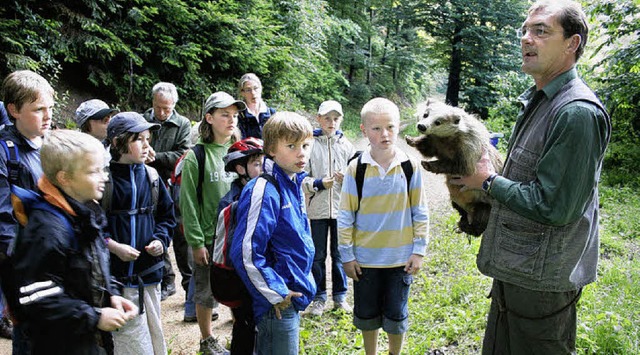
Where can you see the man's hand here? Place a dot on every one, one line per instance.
(484, 169)
(413, 264)
(286, 303)
(352, 269)
(201, 256)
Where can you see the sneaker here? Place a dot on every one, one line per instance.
(210, 346)
(6, 329)
(343, 305)
(316, 308)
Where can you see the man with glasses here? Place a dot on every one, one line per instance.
(168, 144)
(541, 243)
(252, 119)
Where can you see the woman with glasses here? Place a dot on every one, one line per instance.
(253, 118)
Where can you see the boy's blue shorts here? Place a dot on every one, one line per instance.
(380, 299)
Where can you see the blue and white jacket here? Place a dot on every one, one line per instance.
(272, 250)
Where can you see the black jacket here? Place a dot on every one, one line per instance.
(70, 270)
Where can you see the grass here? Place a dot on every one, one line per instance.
(448, 303)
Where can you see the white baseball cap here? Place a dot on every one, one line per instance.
(328, 106)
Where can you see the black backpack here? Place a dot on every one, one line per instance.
(407, 168)
(226, 285)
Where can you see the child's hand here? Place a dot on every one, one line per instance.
(123, 251)
(155, 248)
(111, 319)
(286, 303)
(151, 156)
(413, 265)
(327, 182)
(338, 176)
(352, 269)
(122, 304)
(201, 256)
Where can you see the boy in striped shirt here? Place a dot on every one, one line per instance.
(383, 233)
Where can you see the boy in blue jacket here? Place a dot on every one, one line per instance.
(272, 249)
(139, 230)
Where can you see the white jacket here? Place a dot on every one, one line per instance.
(329, 155)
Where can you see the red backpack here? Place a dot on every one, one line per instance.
(226, 285)
(176, 175)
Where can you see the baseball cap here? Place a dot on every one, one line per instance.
(128, 122)
(221, 99)
(328, 106)
(92, 110)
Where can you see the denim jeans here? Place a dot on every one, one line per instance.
(381, 298)
(189, 303)
(320, 229)
(279, 336)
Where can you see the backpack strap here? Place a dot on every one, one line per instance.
(407, 169)
(154, 181)
(13, 160)
(37, 202)
(107, 195)
(360, 171)
(198, 150)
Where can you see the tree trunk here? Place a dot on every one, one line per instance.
(455, 67)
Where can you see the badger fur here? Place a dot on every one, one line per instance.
(457, 140)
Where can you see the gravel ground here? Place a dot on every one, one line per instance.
(183, 338)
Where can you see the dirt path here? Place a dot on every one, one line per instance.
(183, 338)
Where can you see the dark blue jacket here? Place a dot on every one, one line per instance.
(70, 270)
(252, 127)
(29, 173)
(132, 191)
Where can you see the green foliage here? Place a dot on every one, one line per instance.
(616, 76)
(475, 42)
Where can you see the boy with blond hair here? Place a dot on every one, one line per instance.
(383, 228)
(272, 249)
(62, 281)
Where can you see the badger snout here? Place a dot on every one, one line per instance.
(422, 127)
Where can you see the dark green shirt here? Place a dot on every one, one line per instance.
(567, 167)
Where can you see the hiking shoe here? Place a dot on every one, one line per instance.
(316, 308)
(167, 291)
(343, 305)
(210, 346)
(6, 329)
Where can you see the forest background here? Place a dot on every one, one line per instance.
(307, 51)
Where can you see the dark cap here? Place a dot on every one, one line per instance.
(128, 122)
(221, 99)
(92, 110)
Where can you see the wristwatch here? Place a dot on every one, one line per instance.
(486, 185)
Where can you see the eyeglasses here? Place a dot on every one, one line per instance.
(537, 31)
(253, 89)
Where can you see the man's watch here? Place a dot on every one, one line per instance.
(486, 185)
